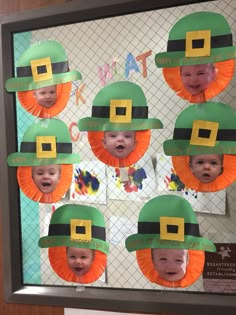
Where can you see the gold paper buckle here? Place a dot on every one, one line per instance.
(125, 105)
(168, 221)
(87, 224)
(210, 126)
(44, 62)
(41, 149)
(198, 52)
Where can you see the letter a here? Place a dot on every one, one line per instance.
(130, 64)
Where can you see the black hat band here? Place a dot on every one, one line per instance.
(154, 228)
(57, 67)
(64, 230)
(30, 147)
(219, 41)
(222, 135)
(104, 111)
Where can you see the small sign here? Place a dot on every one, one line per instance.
(219, 274)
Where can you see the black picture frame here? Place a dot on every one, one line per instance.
(122, 300)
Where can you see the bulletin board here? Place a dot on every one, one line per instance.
(110, 42)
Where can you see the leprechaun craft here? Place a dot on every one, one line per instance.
(45, 161)
(168, 232)
(76, 242)
(43, 79)
(119, 112)
(199, 61)
(205, 130)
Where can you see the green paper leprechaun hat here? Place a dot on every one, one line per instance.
(198, 38)
(42, 64)
(168, 221)
(45, 142)
(206, 128)
(76, 226)
(119, 106)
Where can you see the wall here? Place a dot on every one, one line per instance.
(8, 7)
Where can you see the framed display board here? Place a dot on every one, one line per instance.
(106, 42)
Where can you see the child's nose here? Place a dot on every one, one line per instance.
(78, 261)
(120, 138)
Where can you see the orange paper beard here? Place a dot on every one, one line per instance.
(58, 261)
(142, 138)
(225, 72)
(27, 184)
(182, 169)
(30, 104)
(194, 268)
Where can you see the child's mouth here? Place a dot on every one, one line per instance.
(194, 87)
(46, 184)
(120, 147)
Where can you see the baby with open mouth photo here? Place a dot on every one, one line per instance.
(119, 143)
(46, 177)
(79, 259)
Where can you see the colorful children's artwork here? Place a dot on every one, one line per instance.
(133, 182)
(89, 182)
(168, 180)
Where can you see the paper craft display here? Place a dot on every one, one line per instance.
(45, 161)
(200, 51)
(119, 129)
(133, 182)
(205, 131)
(76, 242)
(43, 80)
(89, 182)
(169, 182)
(168, 231)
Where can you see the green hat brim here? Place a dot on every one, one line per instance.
(177, 58)
(142, 241)
(183, 147)
(102, 124)
(28, 84)
(54, 241)
(30, 159)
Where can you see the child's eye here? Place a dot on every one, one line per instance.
(199, 162)
(186, 75)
